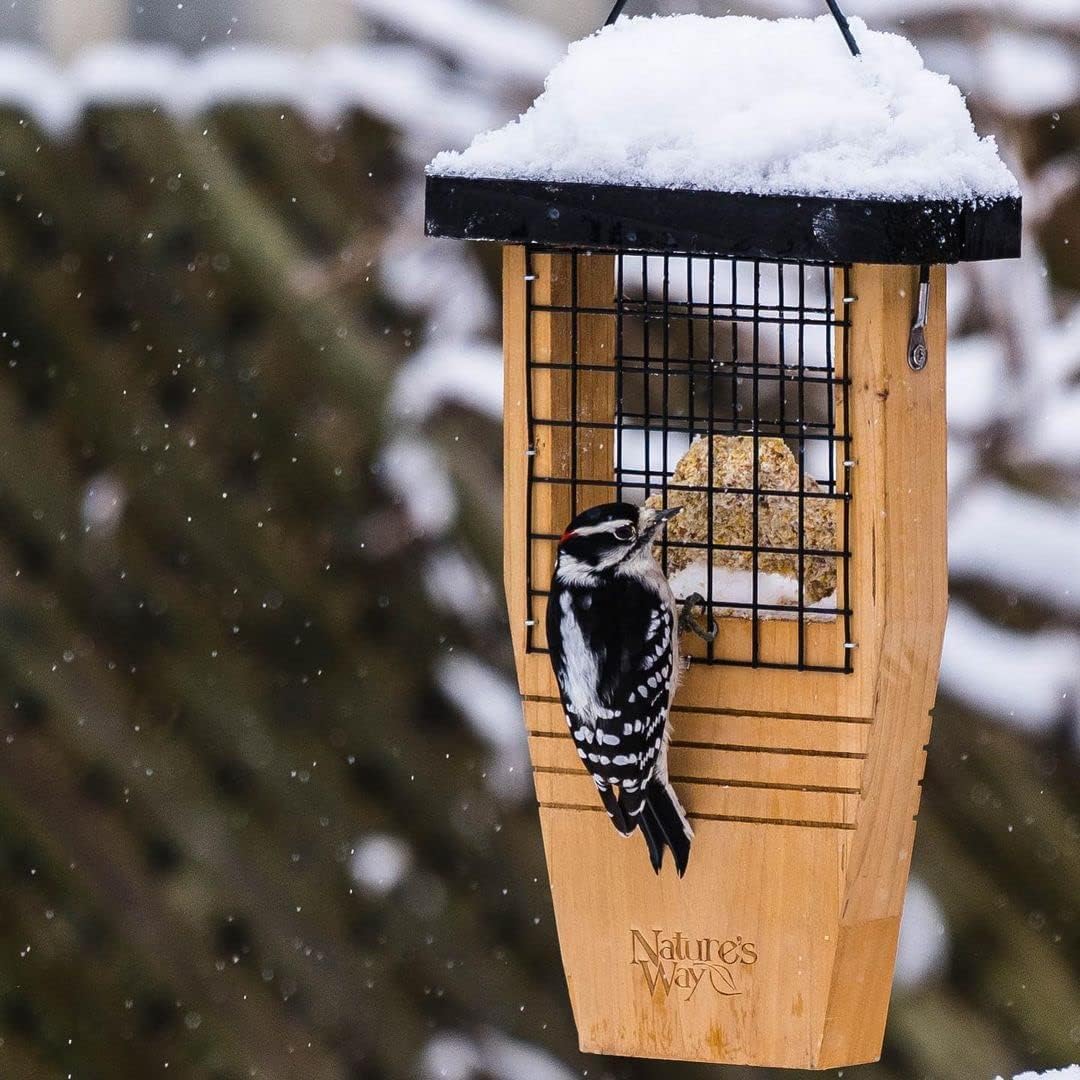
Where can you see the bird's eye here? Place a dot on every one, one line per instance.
(625, 532)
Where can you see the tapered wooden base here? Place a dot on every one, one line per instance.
(749, 958)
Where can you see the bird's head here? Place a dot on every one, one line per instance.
(609, 536)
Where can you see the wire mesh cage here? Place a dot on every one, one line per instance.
(718, 385)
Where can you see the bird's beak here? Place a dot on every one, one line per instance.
(661, 518)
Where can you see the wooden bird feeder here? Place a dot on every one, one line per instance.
(776, 364)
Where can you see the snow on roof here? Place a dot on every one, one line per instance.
(745, 105)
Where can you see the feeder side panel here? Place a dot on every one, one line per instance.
(515, 454)
(911, 582)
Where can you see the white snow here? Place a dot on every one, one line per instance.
(632, 459)
(1057, 13)
(439, 280)
(1070, 1072)
(489, 41)
(468, 374)
(405, 88)
(1028, 680)
(453, 1055)
(512, 1059)
(103, 502)
(379, 863)
(1022, 543)
(30, 84)
(975, 381)
(1022, 73)
(458, 585)
(923, 950)
(688, 101)
(492, 706)
(417, 476)
(487, 700)
(397, 84)
(735, 586)
(450, 1055)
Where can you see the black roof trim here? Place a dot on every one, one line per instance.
(734, 225)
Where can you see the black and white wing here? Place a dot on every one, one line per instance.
(614, 652)
(612, 649)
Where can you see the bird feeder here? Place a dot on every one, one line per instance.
(762, 341)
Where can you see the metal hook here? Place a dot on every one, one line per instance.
(918, 354)
(687, 622)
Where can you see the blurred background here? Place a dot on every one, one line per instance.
(264, 803)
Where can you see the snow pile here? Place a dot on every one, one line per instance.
(412, 470)
(923, 951)
(1059, 14)
(458, 586)
(735, 586)
(1070, 1072)
(491, 42)
(454, 1055)
(488, 701)
(491, 705)
(467, 374)
(688, 101)
(1021, 542)
(1020, 73)
(1028, 680)
(408, 90)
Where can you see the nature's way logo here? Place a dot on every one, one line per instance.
(675, 963)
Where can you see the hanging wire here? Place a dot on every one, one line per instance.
(616, 11)
(845, 29)
(834, 7)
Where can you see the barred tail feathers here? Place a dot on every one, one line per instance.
(616, 811)
(664, 824)
(654, 836)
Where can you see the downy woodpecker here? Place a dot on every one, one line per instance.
(612, 629)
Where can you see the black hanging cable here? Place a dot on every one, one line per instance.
(616, 11)
(845, 29)
(834, 7)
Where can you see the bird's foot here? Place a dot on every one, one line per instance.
(689, 624)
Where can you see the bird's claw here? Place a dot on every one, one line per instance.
(687, 622)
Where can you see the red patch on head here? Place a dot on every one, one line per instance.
(566, 536)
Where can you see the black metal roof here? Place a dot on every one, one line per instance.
(735, 225)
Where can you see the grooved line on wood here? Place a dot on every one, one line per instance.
(716, 711)
(727, 747)
(716, 817)
(559, 770)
